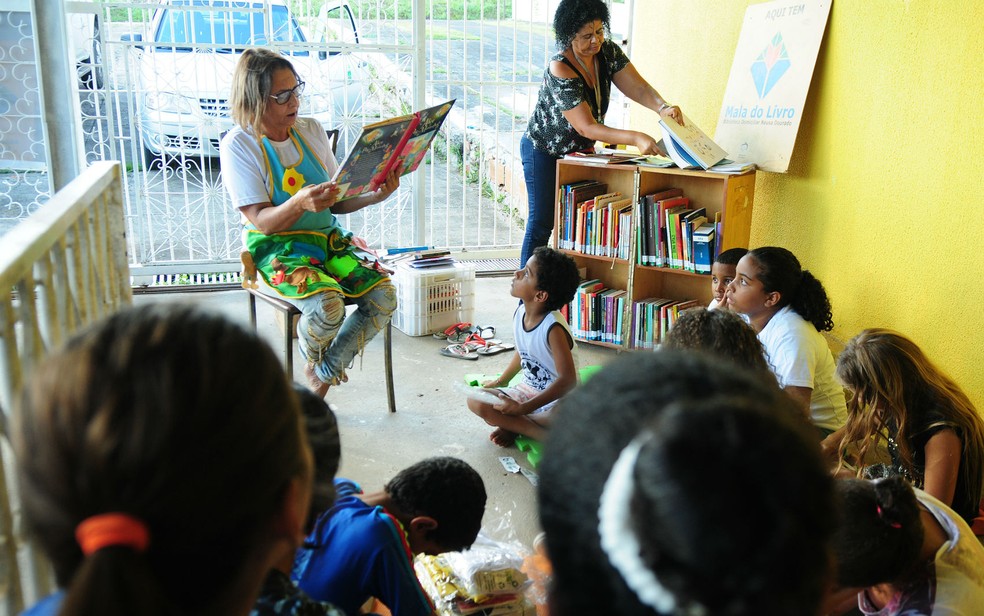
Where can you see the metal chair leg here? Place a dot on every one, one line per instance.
(289, 343)
(388, 354)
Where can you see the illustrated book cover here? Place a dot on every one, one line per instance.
(400, 142)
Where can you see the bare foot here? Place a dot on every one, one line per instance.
(503, 438)
(317, 385)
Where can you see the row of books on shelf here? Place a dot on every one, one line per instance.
(653, 318)
(675, 233)
(594, 221)
(596, 314)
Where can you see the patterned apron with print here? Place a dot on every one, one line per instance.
(315, 254)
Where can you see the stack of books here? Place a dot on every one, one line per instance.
(420, 257)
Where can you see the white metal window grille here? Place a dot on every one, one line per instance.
(154, 94)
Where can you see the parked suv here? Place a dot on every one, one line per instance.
(185, 70)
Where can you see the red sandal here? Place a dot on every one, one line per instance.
(454, 330)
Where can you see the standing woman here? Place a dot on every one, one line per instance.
(571, 106)
(788, 307)
(277, 169)
(935, 435)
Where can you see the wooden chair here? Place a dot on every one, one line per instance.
(290, 313)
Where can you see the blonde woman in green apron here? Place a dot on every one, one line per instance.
(277, 168)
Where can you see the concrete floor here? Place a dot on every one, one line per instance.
(431, 418)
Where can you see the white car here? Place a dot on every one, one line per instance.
(185, 70)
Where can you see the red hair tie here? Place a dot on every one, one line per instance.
(892, 523)
(111, 529)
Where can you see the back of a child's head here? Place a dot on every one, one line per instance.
(779, 271)
(731, 256)
(721, 333)
(181, 421)
(726, 483)
(557, 275)
(879, 535)
(321, 428)
(446, 489)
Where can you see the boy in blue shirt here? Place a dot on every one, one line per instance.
(363, 547)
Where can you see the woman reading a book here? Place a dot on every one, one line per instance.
(570, 110)
(278, 168)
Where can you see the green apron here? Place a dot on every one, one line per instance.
(316, 254)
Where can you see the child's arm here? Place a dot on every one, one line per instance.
(507, 375)
(801, 397)
(560, 347)
(942, 453)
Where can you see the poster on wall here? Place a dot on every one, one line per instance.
(770, 76)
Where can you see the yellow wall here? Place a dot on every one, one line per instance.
(884, 197)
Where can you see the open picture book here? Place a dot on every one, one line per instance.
(689, 146)
(400, 142)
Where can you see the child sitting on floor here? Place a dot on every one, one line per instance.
(660, 494)
(544, 350)
(722, 273)
(901, 551)
(279, 596)
(721, 333)
(363, 547)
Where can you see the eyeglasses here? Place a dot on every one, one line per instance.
(283, 97)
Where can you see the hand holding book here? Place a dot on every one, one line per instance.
(399, 144)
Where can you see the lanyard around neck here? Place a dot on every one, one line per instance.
(597, 85)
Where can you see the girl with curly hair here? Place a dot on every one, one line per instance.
(570, 109)
(788, 307)
(935, 435)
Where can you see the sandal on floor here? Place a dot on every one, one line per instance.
(460, 351)
(496, 347)
(454, 330)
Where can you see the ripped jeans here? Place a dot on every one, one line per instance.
(327, 338)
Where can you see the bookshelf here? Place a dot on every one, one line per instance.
(730, 195)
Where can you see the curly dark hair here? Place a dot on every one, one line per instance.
(719, 332)
(780, 271)
(556, 273)
(446, 489)
(725, 440)
(571, 16)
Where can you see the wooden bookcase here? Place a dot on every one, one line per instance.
(731, 195)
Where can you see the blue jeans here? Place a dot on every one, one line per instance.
(327, 338)
(540, 171)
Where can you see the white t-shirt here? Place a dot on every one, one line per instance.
(799, 357)
(954, 585)
(244, 169)
(536, 358)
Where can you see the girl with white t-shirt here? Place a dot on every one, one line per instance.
(788, 307)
